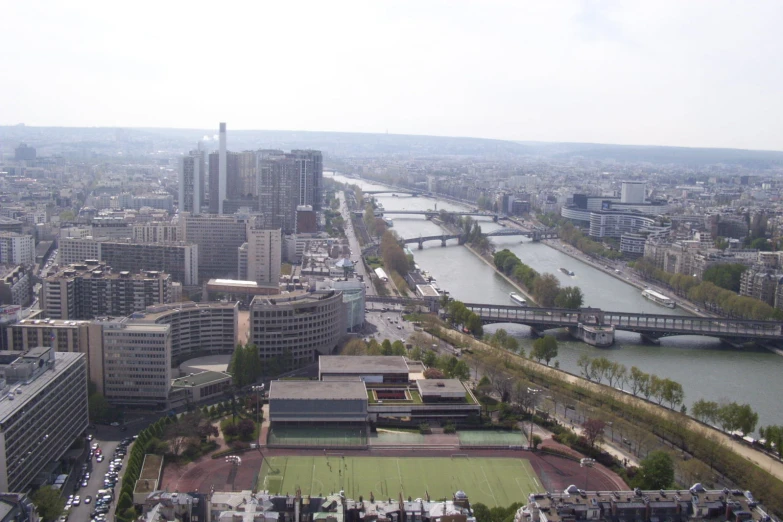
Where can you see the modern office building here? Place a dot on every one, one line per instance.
(197, 329)
(43, 409)
(16, 249)
(247, 176)
(262, 255)
(297, 327)
(633, 192)
(179, 259)
(137, 363)
(8, 224)
(222, 168)
(218, 238)
(157, 201)
(85, 291)
(16, 285)
(111, 227)
(310, 168)
(279, 191)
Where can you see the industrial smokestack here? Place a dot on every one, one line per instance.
(222, 169)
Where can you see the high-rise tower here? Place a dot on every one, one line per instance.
(222, 169)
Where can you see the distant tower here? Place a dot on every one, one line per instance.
(222, 169)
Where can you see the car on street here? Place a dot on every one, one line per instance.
(89, 437)
(94, 446)
(114, 424)
(87, 499)
(84, 483)
(99, 458)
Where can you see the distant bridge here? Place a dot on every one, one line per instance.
(392, 191)
(429, 214)
(650, 326)
(461, 237)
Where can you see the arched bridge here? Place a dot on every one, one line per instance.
(651, 326)
(535, 235)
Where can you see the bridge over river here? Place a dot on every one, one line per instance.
(597, 327)
(535, 235)
(651, 326)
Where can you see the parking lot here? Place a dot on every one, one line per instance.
(107, 440)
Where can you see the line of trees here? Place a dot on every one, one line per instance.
(460, 315)
(708, 294)
(544, 287)
(730, 416)
(771, 437)
(642, 384)
(544, 348)
(469, 228)
(245, 366)
(448, 366)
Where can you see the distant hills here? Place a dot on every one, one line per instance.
(140, 141)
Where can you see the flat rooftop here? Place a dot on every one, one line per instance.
(362, 364)
(318, 390)
(24, 393)
(199, 379)
(440, 386)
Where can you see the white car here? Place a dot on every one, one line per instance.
(76, 500)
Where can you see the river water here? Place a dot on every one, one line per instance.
(705, 368)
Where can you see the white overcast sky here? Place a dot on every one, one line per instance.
(683, 72)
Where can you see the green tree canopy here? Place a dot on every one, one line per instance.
(544, 348)
(48, 502)
(655, 472)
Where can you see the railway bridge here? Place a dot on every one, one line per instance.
(461, 237)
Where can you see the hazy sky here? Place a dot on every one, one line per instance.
(683, 72)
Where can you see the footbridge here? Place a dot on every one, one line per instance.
(650, 326)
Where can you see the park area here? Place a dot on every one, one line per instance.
(491, 481)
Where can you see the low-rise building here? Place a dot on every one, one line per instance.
(16, 285)
(380, 369)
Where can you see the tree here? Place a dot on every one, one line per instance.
(655, 472)
(705, 411)
(598, 368)
(386, 347)
(584, 362)
(570, 297)
(245, 429)
(48, 503)
(429, 358)
(545, 290)
(98, 407)
(354, 347)
(638, 380)
(615, 373)
(544, 348)
(433, 373)
(593, 430)
(474, 324)
(398, 348)
(672, 393)
(656, 388)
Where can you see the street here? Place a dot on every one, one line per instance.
(353, 243)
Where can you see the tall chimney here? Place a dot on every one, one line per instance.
(222, 169)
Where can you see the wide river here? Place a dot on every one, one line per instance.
(705, 368)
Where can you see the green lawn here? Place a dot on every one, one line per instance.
(491, 481)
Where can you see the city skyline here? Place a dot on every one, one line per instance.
(690, 75)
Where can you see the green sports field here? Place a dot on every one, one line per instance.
(491, 481)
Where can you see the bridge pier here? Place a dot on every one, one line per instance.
(443, 241)
(598, 336)
(650, 338)
(421, 244)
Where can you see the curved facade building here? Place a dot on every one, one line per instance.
(196, 328)
(296, 328)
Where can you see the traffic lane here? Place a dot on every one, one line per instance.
(377, 325)
(97, 476)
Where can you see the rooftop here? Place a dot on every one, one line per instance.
(440, 386)
(362, 364)
(199, 379)
(331, 390)
(24, 392)
(152, 313)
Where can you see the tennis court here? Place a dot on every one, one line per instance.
(500, 439)
(491, 481)
(320, 437)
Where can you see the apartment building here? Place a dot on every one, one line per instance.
(157, 233)
(43, 408)
(176, 258)
(196, 328)
(16, 285)
(16, 249)
(92, 289)
(137, 363)
(298, 327)
(111, 227)
(217, 238)
(191, 182)
(310, 168)
(279, 191)
(263, 254)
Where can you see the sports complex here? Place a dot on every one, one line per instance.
(355, 430)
